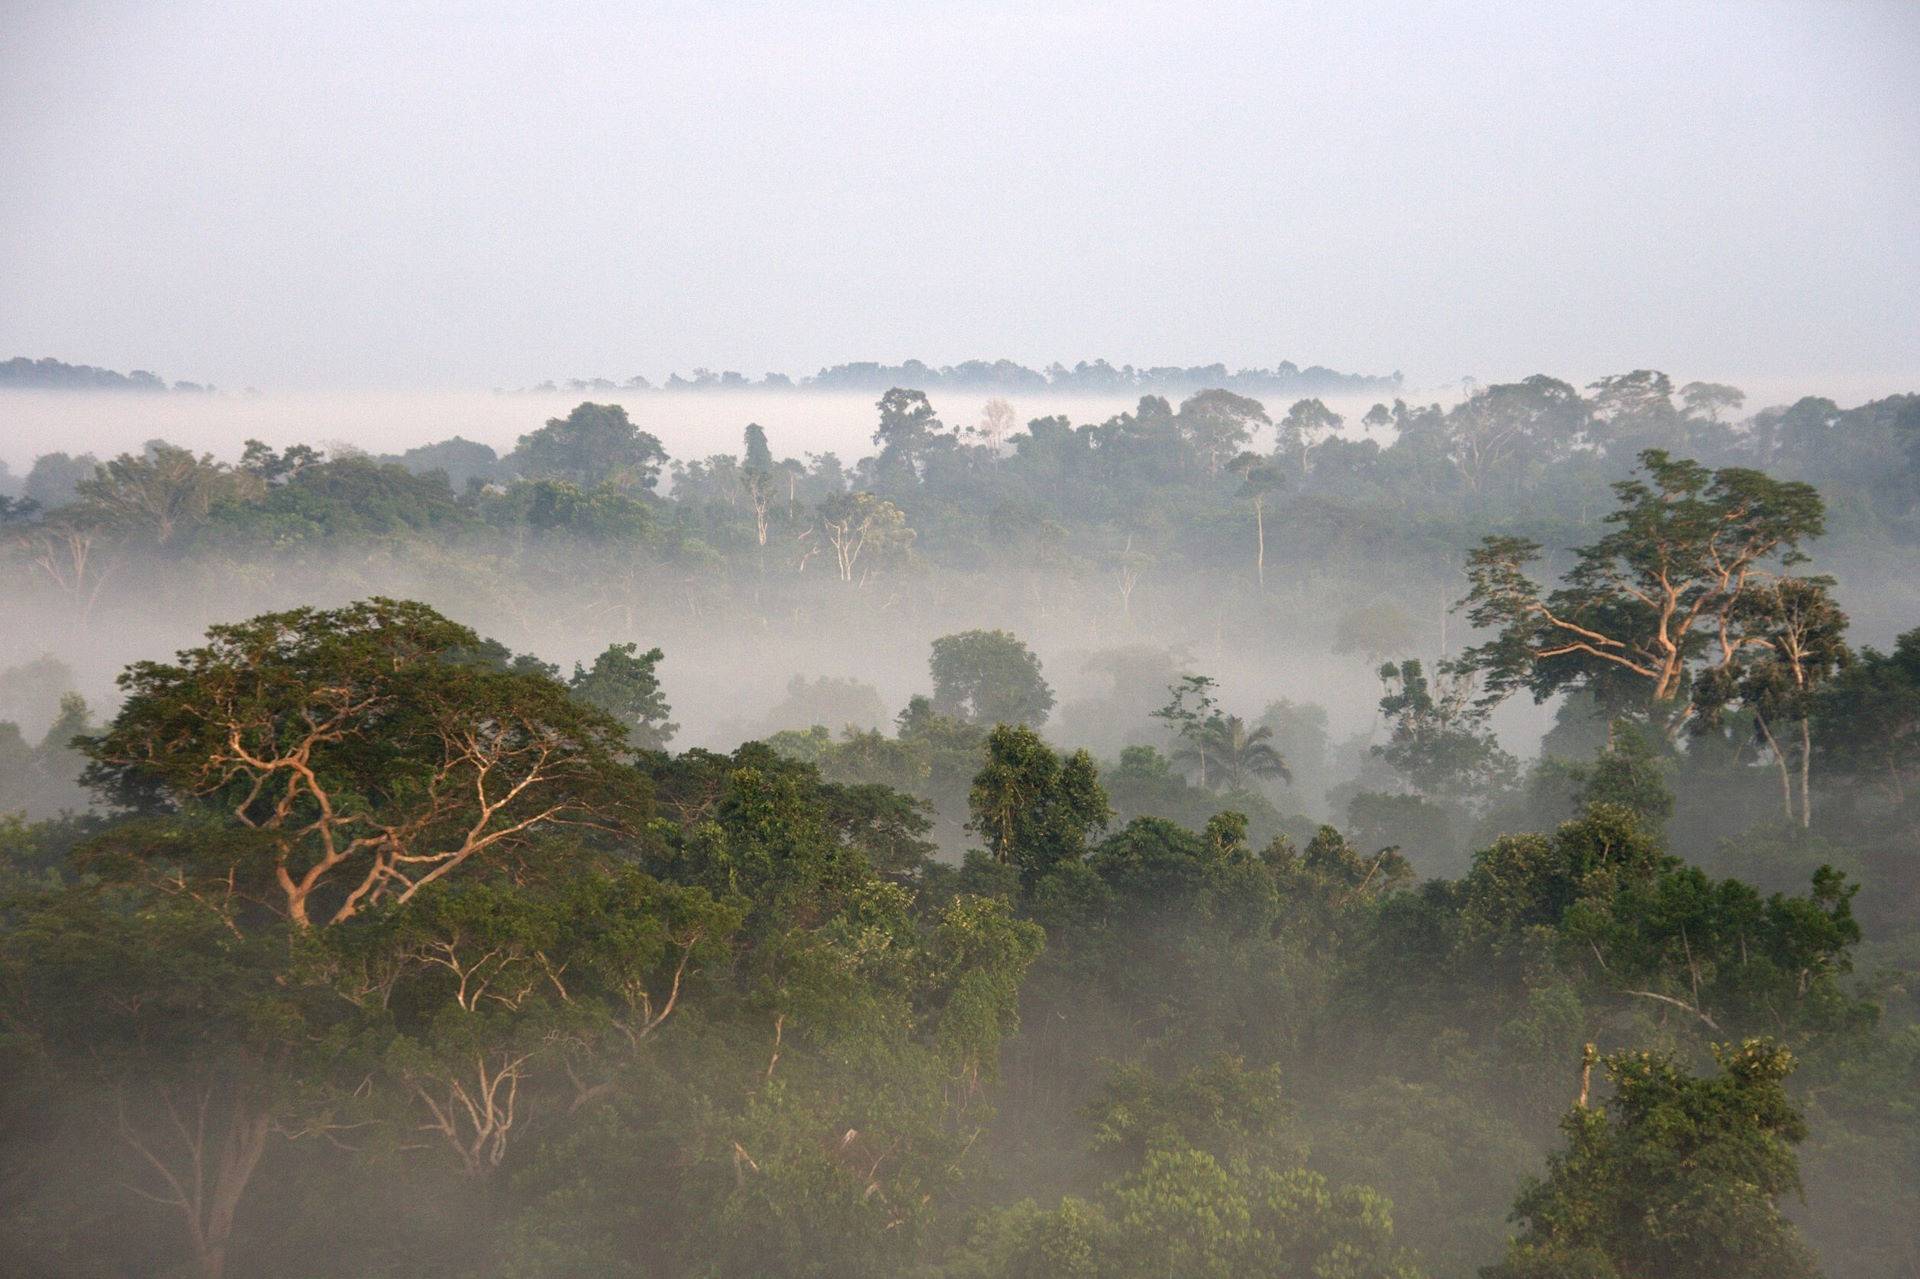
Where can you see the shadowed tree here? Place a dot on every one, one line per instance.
(595, 444)
(908, 428)
(1217, 425)
(1867, 720)
(54, 477)
(988, 677)
(758, 480)
(1634, 411)
(623, 683)
(197, 1039)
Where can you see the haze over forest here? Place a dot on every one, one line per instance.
(1306, 667)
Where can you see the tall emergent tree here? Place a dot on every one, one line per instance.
(1305, 424)
(908, 428)
(1660, 597)
(1789, 637)
(1217, 425)
(593, 445)
(357, 754)
(757, 478)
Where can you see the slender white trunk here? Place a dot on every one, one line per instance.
(1260, 527)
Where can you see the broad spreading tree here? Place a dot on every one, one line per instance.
(358, 755)
(1645, 608)
(595, 444)
(158, 494)
(1508, 425)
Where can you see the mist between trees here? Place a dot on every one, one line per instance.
(1215, 840)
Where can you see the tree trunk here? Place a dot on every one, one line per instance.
(1780, 764)
(1806, 772)
(240, 1153)
(208, 1177)
(1260, 527)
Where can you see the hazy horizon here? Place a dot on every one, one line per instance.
(690, 424)
(459, 197)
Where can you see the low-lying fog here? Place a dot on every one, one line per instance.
(724, 680)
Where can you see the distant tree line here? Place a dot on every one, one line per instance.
(56, 375)
(1091, 377)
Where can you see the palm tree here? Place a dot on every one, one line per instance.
(1226, 753)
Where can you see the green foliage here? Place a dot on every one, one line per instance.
(1216, 424)
(1439, 743)
(622, 683)
(604, 513)
(1219, 1106)
(1034, 809)
(1628, 774)
(1185, 1213)
(1868, 719)
(593, 445)
(356, 755)
(988, 677)
(1678, 1175)
(729, 1014)
(1641, 607)
(161, 493)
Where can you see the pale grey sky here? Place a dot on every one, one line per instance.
(390, 194)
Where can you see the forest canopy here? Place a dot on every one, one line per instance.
(1228, 838)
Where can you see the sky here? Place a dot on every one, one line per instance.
(461, 196)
